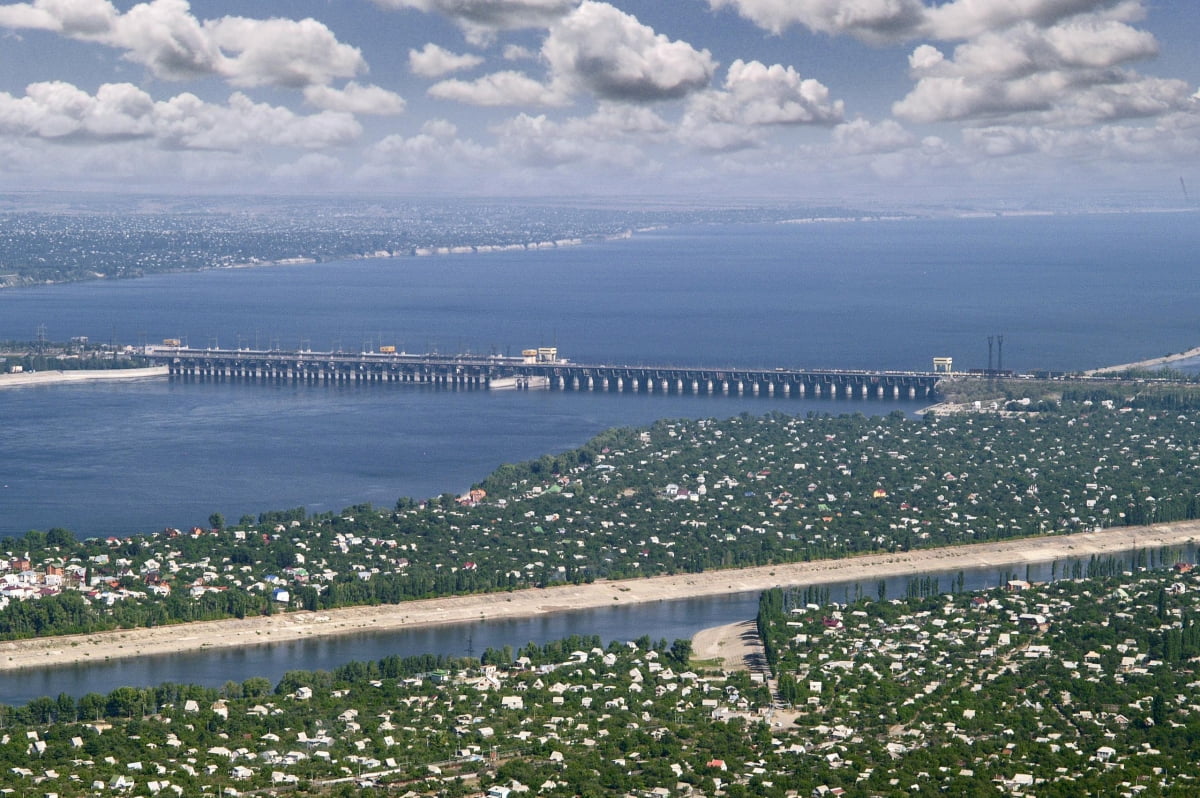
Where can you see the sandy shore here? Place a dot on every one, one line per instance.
(84, 375)
(733, 644)
(1152, 363)
(286, 627)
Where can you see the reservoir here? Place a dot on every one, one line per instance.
(120, 458)
(116, 459)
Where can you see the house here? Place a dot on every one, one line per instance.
(120, 783)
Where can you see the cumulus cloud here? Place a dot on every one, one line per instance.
(538, 141)
(610, 53)
(1067, 73)
(432, 61)
(869, 20)
(888, 21)
(498, 88)
(1176, 135)
(354, 98)
(515, 52)
(755, 95)
(964, 19)
(480, 19)
(78, 18)
(59, 111)
(860, 137)
(437, 150)
(612, 136)
(281, 52)
(164, 37)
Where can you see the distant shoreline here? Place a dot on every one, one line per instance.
(1152, 363)
(83, 375)
(290, 626)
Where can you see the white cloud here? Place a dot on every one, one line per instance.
(610, 53)
(310, 168)
(433, 61)
(1068, 73)
(58, 110)
(624, 119)
(1113, 146)
(613, 136)
(713, 136)
(498, 88)
(163, 36)
(480, 19)
(887, 21)
(859, 137)
(869, 20)
(536, 140)
(190, 123)
(79, 18)
(168, 40)
(437, 151)
(515, 52)
(282, 52)
(355, 99)
(63, 112)
(965, 19)
(755, 95)
(1021, 50)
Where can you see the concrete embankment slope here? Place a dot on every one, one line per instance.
(83, 375)
(1152, 363)
(286, 627)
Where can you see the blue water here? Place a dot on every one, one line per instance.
(660, 620)
(115, 458)
(120, 458)
(1065, 292)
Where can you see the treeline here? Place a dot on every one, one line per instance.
(92, 361)
(1173, 397)
(774, 608)
(777, 489)
(70, 613)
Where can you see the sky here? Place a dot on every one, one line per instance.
(998, 103)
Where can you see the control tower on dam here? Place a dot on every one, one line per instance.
(535, 368)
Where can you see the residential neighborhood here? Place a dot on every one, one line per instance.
(677, 497)
(1079, 686)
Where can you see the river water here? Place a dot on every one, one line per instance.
(663, 619)
(121, 458)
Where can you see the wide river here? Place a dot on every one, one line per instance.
(119, 458)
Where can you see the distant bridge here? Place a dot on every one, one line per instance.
(496, 372)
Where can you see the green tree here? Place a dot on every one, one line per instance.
(58, 536)
(681, 651)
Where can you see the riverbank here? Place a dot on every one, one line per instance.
(1152, 363)
(285, 627)
(83, 375)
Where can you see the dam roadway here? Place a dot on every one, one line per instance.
(543, 370)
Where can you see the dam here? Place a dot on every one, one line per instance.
(535, 368)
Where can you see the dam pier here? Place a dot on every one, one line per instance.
(535, 368)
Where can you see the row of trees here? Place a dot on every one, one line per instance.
(777, 489)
